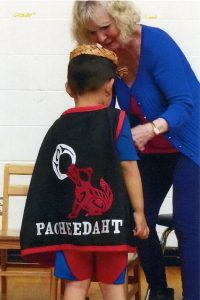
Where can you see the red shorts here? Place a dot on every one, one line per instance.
(107, 267)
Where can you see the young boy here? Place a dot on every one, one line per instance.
(85, 178)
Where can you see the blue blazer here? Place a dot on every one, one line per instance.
(165, 87)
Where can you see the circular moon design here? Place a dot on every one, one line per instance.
(60, 150)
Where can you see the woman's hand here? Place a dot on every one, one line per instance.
(141, 135)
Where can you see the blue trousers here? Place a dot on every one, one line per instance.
(186, 207)
(159, 172)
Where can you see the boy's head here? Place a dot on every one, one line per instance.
(89, 68)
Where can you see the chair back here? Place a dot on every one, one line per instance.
(13, 189)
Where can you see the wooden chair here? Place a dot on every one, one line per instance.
(132, 285)
(9, 240)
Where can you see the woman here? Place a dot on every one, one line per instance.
(161, 94)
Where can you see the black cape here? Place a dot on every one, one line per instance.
(77, 199)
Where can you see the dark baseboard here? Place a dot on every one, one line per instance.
(14, 256)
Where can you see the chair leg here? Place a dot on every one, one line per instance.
(53, 286)
(126, 284)
(133, 278)
(62, 286)
(137, 278)
(163, 240)
(4, 256)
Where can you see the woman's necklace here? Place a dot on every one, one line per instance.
(129, 57)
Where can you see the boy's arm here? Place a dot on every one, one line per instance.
(128, 156)
(134, 188)
(133, 184)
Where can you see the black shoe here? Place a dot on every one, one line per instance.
(166, 294)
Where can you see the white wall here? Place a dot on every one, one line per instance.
(34, 47)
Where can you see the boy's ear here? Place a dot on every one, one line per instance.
(69, 90)
(109, 85)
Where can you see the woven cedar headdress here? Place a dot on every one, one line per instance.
(97, 49)
(94, 49)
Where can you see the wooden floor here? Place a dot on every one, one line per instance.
(38, 288)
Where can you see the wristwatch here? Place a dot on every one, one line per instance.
(156, 130)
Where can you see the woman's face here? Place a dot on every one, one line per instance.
(103, 30)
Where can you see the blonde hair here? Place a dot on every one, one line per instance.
(124, 13)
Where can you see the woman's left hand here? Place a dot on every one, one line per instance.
(141, 135)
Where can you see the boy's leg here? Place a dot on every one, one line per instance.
(110, 273)
(76, 290)
(112, 291)
(77, 269)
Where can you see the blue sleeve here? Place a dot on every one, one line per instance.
(172, 74)
(124, 144)
(113, 101)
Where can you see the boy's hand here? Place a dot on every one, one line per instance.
(141, 229)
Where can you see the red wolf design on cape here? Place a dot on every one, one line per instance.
(88, 198)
